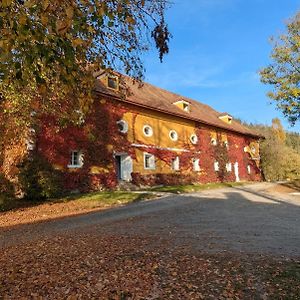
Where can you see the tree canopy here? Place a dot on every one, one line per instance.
(279, 151)
(51, 49)
(283, 74)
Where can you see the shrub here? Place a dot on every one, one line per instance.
(7, 191)
(39, 180)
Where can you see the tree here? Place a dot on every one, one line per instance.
(280, 159)
(278, 130)
(284, 72)
(51, 49)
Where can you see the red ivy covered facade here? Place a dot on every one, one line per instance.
(99, 140)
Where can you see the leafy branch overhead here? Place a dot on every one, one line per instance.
(50, 49)
(283, 74)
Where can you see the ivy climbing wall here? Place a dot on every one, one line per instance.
(98, 138)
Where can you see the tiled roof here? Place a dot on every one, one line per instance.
(158, 99)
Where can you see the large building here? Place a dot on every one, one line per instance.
(149, 136)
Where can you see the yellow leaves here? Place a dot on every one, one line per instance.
(70, 12)
(5, 3)
(77, 42)
(130, 20)
(46, 4)
(29, 3)
(44, 20)
(23, 19)
(42, 88)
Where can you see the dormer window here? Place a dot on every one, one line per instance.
(112, 82)
(184, 105)
(225, 117)
(109, 79)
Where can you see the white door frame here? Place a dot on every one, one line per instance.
(236, 171)
(126, 166)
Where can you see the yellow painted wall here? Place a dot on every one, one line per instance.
(161, 125)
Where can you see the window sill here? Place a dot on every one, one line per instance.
(74, 166)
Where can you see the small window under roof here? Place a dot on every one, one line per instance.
(184, 105)
(225, 117)
(112, 82)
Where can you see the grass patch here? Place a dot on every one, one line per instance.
(291, 272)
(189, 188)
(88, 200)
(109, 198)
(288, 279)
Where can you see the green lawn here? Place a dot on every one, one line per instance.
(88, 200)
(109, 198)
(189, 188)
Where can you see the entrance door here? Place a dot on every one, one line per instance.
(123, 167)
(118, 166)
(236, 172)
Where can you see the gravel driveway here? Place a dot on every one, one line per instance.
(244, 219)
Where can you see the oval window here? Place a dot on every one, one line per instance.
(147, 130)
(173, 135)
(213, 142)
(194, 139)
(122, 126)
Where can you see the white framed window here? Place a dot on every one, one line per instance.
(196, 164)
(122, 126)
(173, 135)
(113, 82)
(175, 164)
(213, 142)
(216, 166)
(194, 139)
(249, 169)
(149, 161)
(147, 130)
(229, 167)
(76, 159)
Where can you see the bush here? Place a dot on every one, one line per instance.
(39, 180)
(7, 192)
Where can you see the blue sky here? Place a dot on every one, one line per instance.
(218, 46)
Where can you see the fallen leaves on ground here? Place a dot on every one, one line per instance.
(94, 266)
(65, 207)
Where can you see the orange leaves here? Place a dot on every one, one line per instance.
(112, 266)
